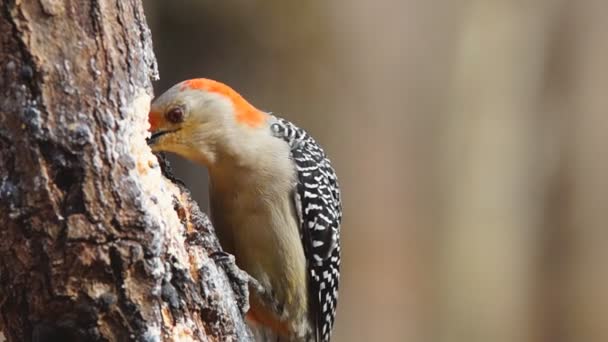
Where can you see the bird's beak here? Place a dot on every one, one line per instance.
(154, 138)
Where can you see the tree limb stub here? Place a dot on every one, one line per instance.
(95, 244)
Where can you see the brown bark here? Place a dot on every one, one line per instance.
(94, 243)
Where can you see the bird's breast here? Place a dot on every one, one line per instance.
(260, 227)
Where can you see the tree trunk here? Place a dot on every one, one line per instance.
(95, 244)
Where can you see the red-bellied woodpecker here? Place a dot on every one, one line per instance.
(274, 198)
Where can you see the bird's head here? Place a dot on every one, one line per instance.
(200, 119)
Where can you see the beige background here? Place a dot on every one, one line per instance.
(469, 138)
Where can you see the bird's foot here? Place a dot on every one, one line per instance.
(240, 281)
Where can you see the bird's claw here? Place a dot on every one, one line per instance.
(240, 281)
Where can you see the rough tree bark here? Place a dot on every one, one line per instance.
(94, 243)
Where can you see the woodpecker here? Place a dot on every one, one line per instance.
(274, 201)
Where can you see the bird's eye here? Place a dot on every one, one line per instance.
(175, 115)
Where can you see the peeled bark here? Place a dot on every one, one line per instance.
(95, 244)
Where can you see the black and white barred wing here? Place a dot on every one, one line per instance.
(317, 201)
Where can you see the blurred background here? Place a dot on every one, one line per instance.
(469, 141)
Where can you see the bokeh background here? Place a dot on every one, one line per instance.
(469, 137)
